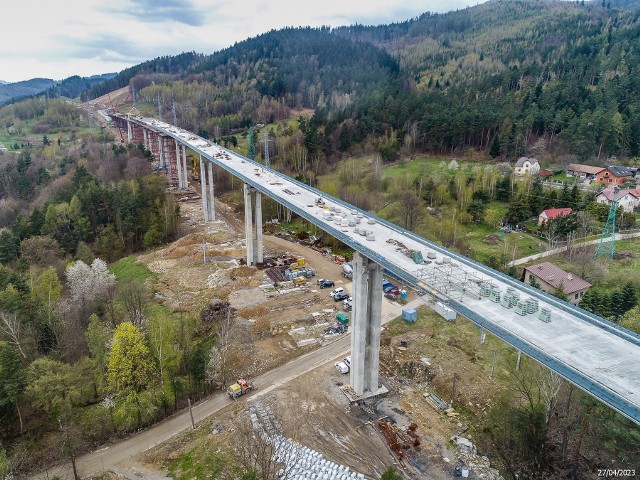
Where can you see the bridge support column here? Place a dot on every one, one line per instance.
(211, 208)
(258, 249)
(248, 223)
(365, 324)
(145, 134)
(185, 172)
(129, 132)
(253, 217)
(160, 152)
(203, 192)
(179, 166)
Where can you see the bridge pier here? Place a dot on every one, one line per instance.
(185, 172)
(365, 324)
(179, 166)
(203, 193)
(208, 209)
(211, 209)
(254, 243)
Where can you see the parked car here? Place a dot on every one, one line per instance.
(324, 283)
(391, 288)
(391, 296)
(340, 296)
(335, 291)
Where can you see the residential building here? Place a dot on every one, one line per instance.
(628, 199)
(614, 175)
(527, 166)
(582, 171)
(552, 213)
(551, 278)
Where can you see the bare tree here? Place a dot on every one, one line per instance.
(548, 383)
(552, 234)
(262, 447)
(11, 328)
(133, 296)
(409, 209)
(220, 367)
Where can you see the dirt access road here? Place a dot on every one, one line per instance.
(110, 457)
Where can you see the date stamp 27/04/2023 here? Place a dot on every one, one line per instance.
(616, 472)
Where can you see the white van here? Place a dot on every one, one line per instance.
(335, 291)
(344, 366)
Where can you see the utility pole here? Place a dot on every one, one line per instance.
(175, 119)
(193, 424)
(266, 141)
(609, 232)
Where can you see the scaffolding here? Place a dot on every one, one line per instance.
(452, 280)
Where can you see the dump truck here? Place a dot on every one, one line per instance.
(241, 387)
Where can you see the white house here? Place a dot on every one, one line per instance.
(628, 199)
(526, 165)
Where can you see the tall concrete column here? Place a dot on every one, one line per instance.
(203, 189)
(145, 132)
(258, 249)
(374, 325)
(248, 223)
(185, 172)
(365, 324)
(179, 165)
(129, 133)
(211, 209)
(160, 151)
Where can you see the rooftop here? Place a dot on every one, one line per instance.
(521, 161)
(555, 277)
(588, 169)
(552, 213)
(611, 194)
(620, 171)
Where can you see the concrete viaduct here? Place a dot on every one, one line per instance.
(598, 356)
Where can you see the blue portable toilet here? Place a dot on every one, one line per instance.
(403, 294)
(409, 315)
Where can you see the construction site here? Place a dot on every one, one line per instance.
(284, 314)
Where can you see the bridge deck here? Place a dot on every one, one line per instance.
(597, 356)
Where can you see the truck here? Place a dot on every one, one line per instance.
(241, 387)
(347, 270)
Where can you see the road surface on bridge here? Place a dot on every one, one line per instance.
(594, 354)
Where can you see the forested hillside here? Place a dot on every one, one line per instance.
(501, 78)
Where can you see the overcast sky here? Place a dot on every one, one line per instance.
(59, 38)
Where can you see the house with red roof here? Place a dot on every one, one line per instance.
(552, 213)
(628, 199)
(551, 278)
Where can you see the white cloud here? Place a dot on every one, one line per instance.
(86, 37)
